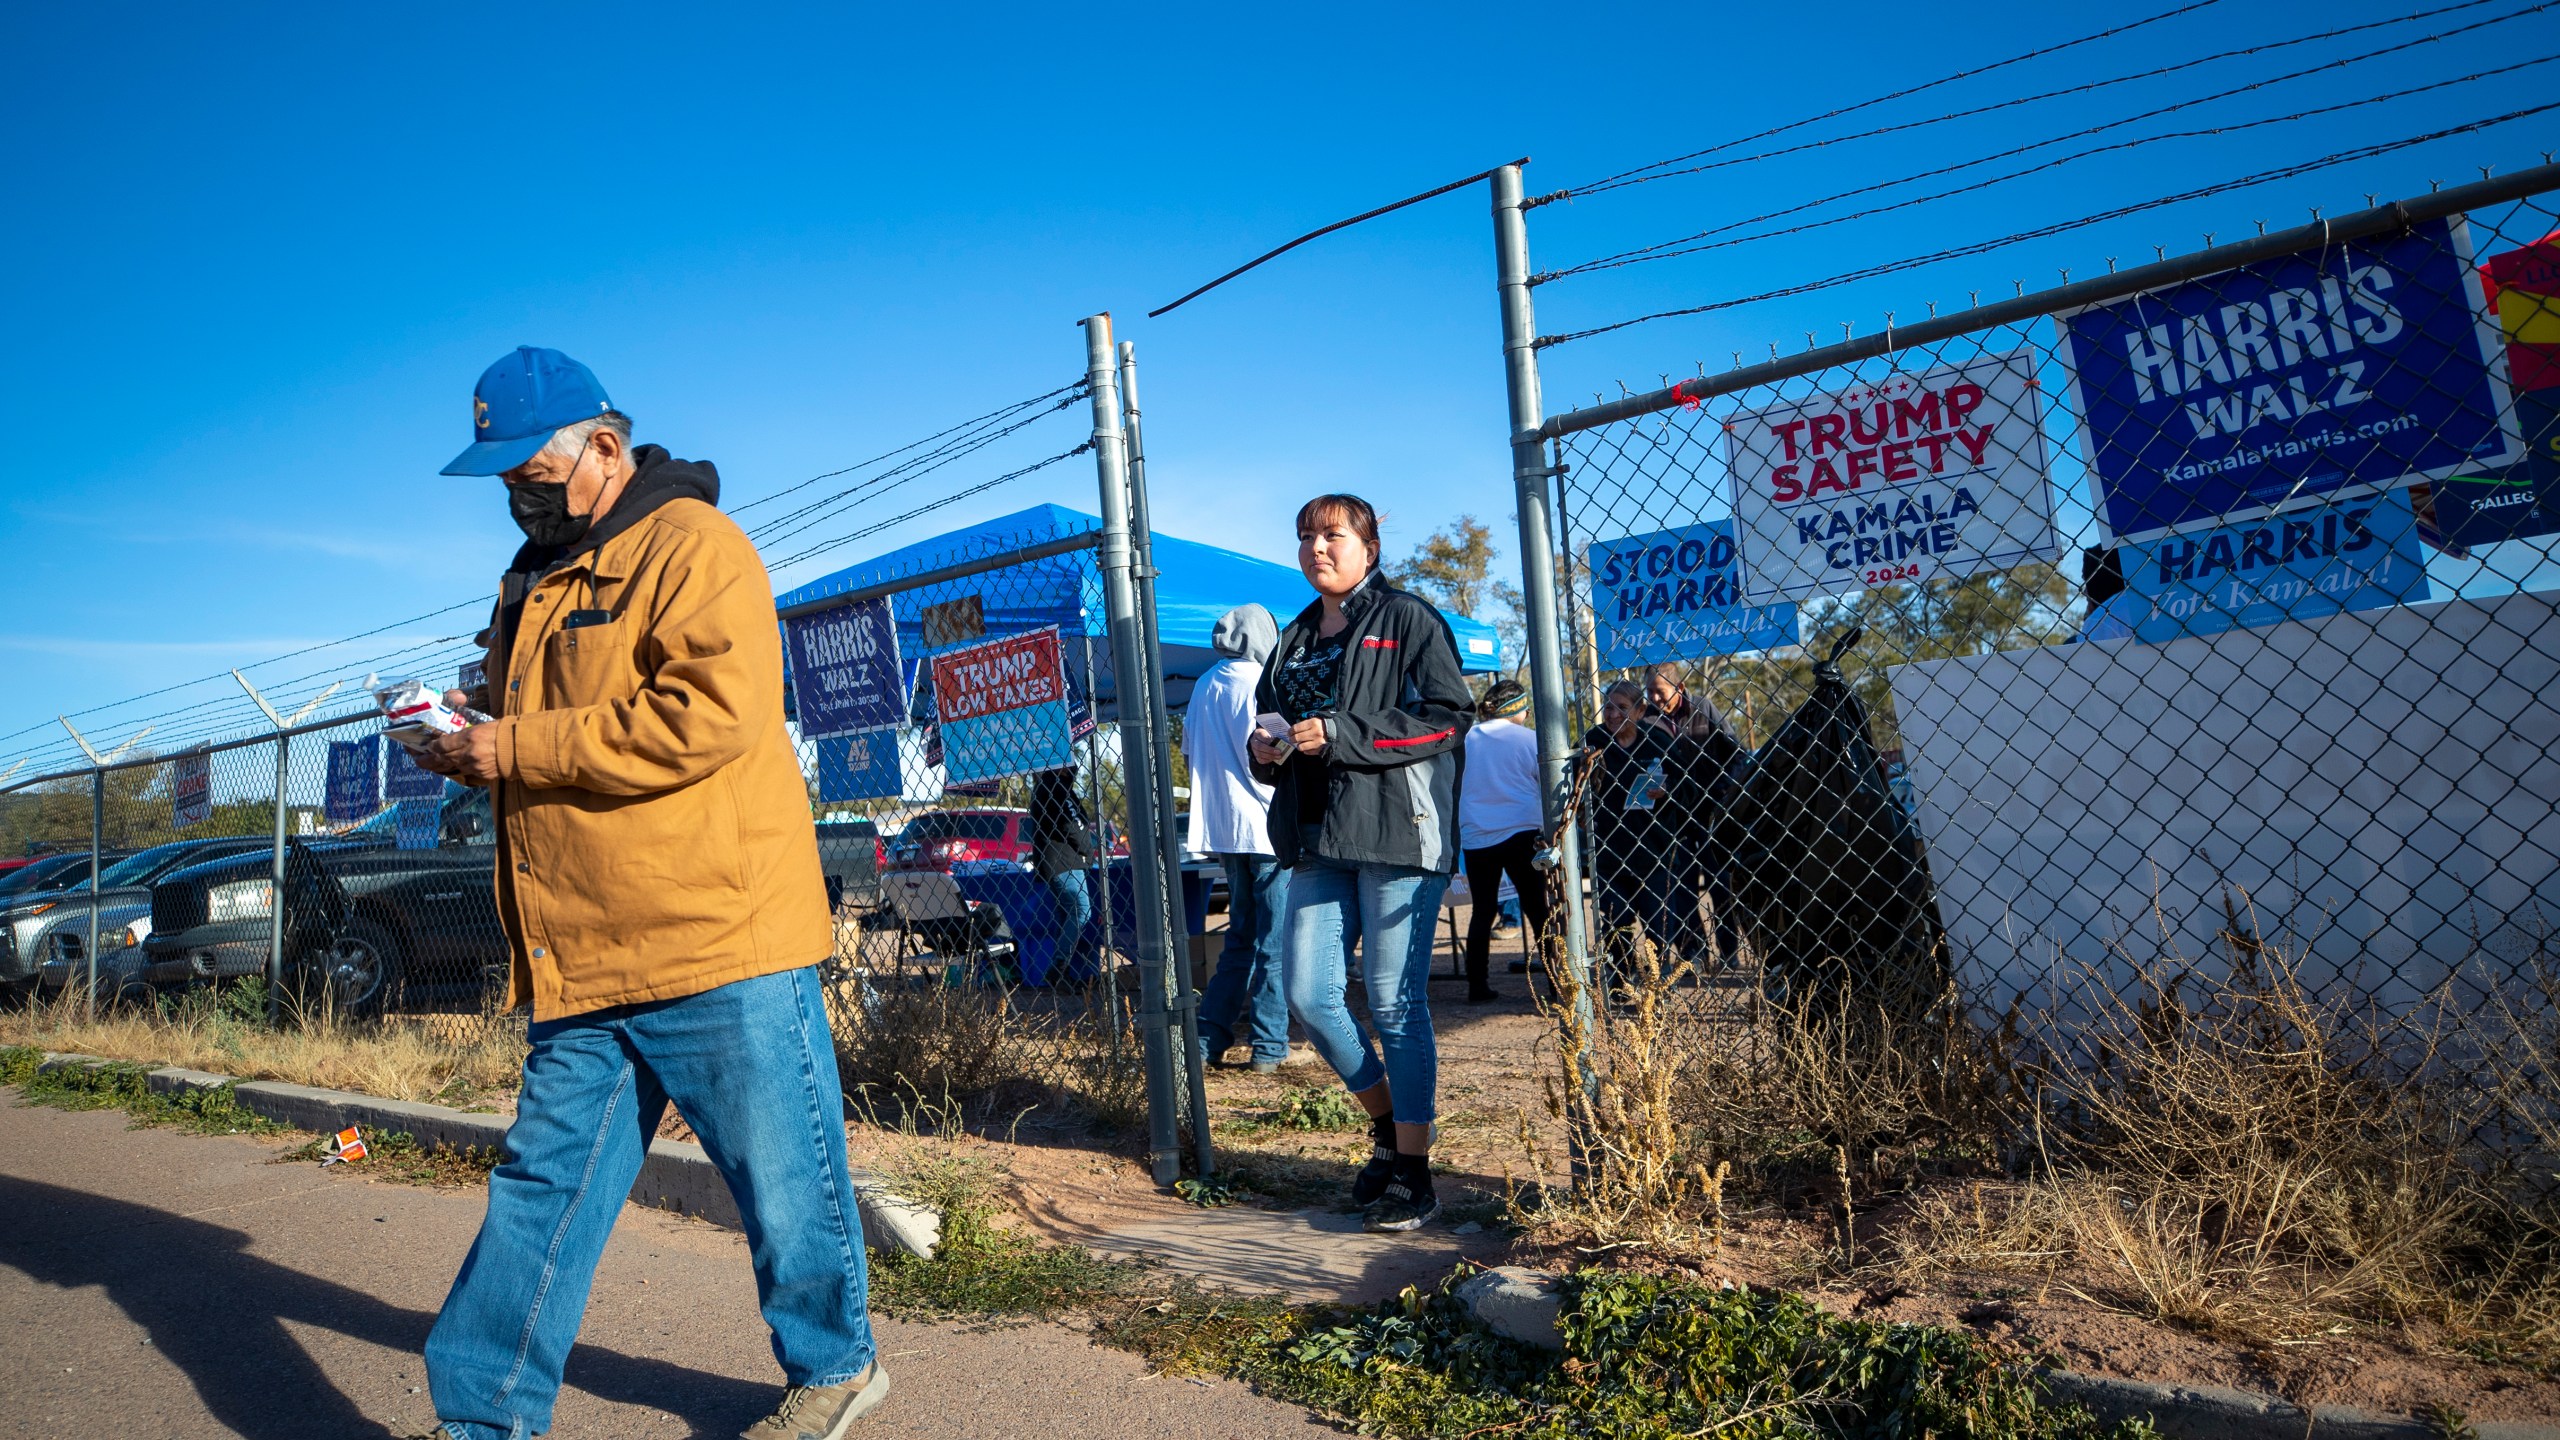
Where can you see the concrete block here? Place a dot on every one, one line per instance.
(1518, 1302)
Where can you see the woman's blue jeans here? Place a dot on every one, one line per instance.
(752, 1068)
(1389, 911)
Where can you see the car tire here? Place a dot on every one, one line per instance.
(356, 974)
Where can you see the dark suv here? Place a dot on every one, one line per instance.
(361, 917)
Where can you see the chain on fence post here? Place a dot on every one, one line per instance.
(1186, 996)
(1128, 666)
(1530, 481)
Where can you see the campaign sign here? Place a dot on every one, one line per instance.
(416, 823)
(191, 790)
(2332, 373)
(355, 780)
(862, 766)
(403, 779)
(1931, 476)
(1674, 594)
(2523, 290)
(844, 669)
(1002, 707)
(2518, 501)
(2357, 554)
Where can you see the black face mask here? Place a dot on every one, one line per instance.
(542, 513)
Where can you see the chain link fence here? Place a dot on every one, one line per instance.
(2189, 627)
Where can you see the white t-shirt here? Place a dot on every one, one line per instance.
(1229, 810)
(1498, 798)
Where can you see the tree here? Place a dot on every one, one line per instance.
(1454, 570)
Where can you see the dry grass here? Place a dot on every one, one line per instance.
(2214, 1146)
(447, 1060)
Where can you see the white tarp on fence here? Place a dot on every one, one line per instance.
(2378, 786)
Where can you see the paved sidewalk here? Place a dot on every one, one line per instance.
(165, 1287)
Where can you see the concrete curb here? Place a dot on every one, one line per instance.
(676, 1175)
(1526, 1304)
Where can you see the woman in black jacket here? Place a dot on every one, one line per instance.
(1371, 711)
(1626, 780)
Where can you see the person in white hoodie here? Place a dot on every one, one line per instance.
(1230, 819)
(1500, 821)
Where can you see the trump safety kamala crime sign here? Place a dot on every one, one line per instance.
(1002, 707)
(1937, 475)
(1677, 594)
(2333, 372)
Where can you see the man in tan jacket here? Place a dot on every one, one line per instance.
(658, 877)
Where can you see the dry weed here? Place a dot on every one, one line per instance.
(978, 1052)
(447, 1060)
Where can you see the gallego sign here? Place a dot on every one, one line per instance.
(1937, 475)
(845, 676)
(1674, 594)
(2331, 373)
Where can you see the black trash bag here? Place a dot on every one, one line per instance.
(1829, 878)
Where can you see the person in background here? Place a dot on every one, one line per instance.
(1231, 820)
(664, 910)
(1669, 708)
(1365, 748)
(1500, 821)
(1626, 777)
(1707, 760)
(1062, 855)
(1667, 701)
(2111, 611)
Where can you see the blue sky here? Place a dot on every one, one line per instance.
(257, 258)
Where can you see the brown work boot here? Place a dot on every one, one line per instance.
(821, 1412)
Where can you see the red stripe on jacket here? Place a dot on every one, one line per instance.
(1383, 743)
(1373, 642)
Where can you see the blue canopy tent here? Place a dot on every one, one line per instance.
(1195, 584)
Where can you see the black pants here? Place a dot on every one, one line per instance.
(1485, 869)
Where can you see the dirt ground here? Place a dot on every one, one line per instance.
(1069, 1184)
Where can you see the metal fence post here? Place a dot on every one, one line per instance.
(1186, 996)
(97, 847)
(1538, 586)
(1129, 667)
(275, 894)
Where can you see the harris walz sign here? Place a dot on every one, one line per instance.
(2322, 375)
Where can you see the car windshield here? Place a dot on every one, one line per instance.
(945, 825)
(147, 865)
(44, 874)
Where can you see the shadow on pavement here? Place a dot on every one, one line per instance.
(217, 1312)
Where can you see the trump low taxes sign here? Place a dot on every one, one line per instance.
(1677, 594)
(2331, 373)
(1002, 708)
(1932, 476)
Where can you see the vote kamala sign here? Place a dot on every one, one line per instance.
(1937, 475)
(1674, 594)
(2331, 373)
(844, 669)
(1002, 707)
(2359, 554)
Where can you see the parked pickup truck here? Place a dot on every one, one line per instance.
(34, 924)
(361, 917)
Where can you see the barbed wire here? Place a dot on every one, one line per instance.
(929, 507)
(1984, 247)
(1689, 245)
(221, 714)
(1625, 176)
(2014, 102)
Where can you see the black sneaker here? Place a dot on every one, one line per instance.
(1372, 1180)
(1408, 1203)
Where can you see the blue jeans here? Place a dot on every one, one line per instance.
(751, 1066)
(1073, 892)
(1389, 911)
(1246, 984)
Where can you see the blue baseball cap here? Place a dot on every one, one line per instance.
(519, 402)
